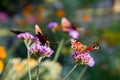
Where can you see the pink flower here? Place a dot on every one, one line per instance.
(74, 34)
(32, 20)
(25, 35)
(3, 17)
(52, 25)
(43, 51)
(83, 58)
(91, 62)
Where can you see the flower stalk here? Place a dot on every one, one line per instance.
(28, 56)
(58, 50)
(70, 71)
(38, 65)
(82, 73)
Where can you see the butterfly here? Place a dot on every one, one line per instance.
(42, 38)
(67, 26)
(79, 47)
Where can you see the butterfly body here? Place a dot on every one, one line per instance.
(79, 47)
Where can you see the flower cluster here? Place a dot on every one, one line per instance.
(83, 58)
(26, 36)
(43, 51)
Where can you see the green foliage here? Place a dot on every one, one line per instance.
(111, 33)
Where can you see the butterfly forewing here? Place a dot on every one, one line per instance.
(16, 32)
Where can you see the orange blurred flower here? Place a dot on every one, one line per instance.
(60, 13)
(41, 8)
(20, 66)
(1, 66)
(40, 19)
(2, 53)
(20, 22)
(27, 10)
(86, 18)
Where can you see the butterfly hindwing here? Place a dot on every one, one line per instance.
(42, 38)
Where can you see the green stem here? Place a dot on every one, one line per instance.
(28, 56)
(58, 50)
(82, 73)
(70, 72)
(38, 65)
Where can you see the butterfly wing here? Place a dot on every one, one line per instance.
(96, 45)
(65, 24)
(37, 30)
(76, 45)
(42, 38)
(40, 35)
(16, 32)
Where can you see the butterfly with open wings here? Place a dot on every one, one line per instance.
(79, 47)
(67, 26)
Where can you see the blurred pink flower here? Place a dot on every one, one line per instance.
(3, 17)
(52, 25)
(83, 58)
(31, 20)
(74, 34)
(25, 36)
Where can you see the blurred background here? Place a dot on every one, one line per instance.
(99, 18)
